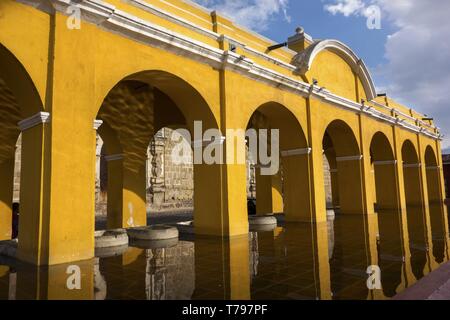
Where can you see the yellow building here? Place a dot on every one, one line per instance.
(130, 68)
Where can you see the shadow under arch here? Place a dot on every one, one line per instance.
(390, 240)
(288, 190)
(414, 209)
(135, 109)
(436, 205)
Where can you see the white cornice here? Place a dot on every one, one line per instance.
(384, 163)
(112, 19)
(350, 158)
(296, 152)
(412, 165)
(303, 61)
(37, 119)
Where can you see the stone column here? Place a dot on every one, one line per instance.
(157, 182)
(297, 188)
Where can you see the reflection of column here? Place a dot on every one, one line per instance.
(51, 283)
(254, 254)
(100, 287)
(157, 185)
(222, 268)
(155, 276)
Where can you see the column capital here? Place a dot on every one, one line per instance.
(97, 124)
(37, 119)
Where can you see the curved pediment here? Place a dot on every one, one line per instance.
(304, 60)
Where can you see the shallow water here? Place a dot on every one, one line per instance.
(294, 261)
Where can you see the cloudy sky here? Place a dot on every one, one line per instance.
(409, 57)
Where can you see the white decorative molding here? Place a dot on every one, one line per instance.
(37, 119)
(114, 157)
(434, 168)
(384, 163)
(108, 17)
(350, 158)
(97, 124)
(296, 152)
(412, 165)
(205, 143)
(303, 61)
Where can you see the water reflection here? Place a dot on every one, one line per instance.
(438, 232)
(294, 261)
(417, 240)
(391, 256)
(349, 261)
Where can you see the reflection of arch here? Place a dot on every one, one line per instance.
(435, 201)
(415, 213)
(305, 59)
(293, 148)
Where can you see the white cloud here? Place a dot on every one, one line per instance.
(417, 72)
(254, 14)
(346, 7)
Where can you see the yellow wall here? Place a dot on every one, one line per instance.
(70, 73)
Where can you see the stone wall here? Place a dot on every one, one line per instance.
(17, 160)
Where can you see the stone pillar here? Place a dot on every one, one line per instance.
(269, 198)
(297, 197)
(386, 184)
(34, 212)
(157, 181)
(98, 157)
(126, 193)
(350, 174)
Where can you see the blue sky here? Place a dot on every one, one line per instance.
(409, 57)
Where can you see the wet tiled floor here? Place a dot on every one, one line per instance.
(294, 261)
